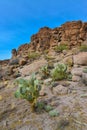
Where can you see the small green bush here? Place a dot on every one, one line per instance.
(61, 47)
(45, 72)
(53, 113)
(49, 57)
(46, 51)
(59, 72)
(69, 77)
(83, 48)
(29, 90)
(40, 106)
(33, 55)
(48, 108)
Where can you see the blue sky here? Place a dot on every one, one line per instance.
(19, 19)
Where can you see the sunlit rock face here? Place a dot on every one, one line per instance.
(71, 33)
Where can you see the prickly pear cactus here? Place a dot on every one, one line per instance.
(28, 89)
(59, 72)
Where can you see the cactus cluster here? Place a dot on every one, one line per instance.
(53, 113)
(59, 72)
(29, 90)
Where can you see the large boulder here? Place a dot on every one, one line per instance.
(14, 61)
(76, 78)
(60, 90)
(77, 71)
(80, 58)
(6, 73)
(68, 60)
(22, 61)
(33, 67)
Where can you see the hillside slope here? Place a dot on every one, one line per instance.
(65, 45)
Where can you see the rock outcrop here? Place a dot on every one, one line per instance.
(71, 33)
(81, 58)
(14, 53)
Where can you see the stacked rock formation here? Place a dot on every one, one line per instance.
(71, 33)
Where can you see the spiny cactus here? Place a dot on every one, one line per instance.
(45, 71)
(53, 113)
(29, 90)
(59, 72)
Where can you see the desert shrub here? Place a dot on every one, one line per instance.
(53, 113)
(48, 108)
(69, 76)
(83, 48)
(59, 72)
(29, 90)
(45, 72)
(61, 47)
(44, 107)
(33, 55)
(49, 57)
(46, 51)
(40, 106)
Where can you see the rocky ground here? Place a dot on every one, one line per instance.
(68, 96)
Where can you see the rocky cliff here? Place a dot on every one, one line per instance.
(71, 33)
